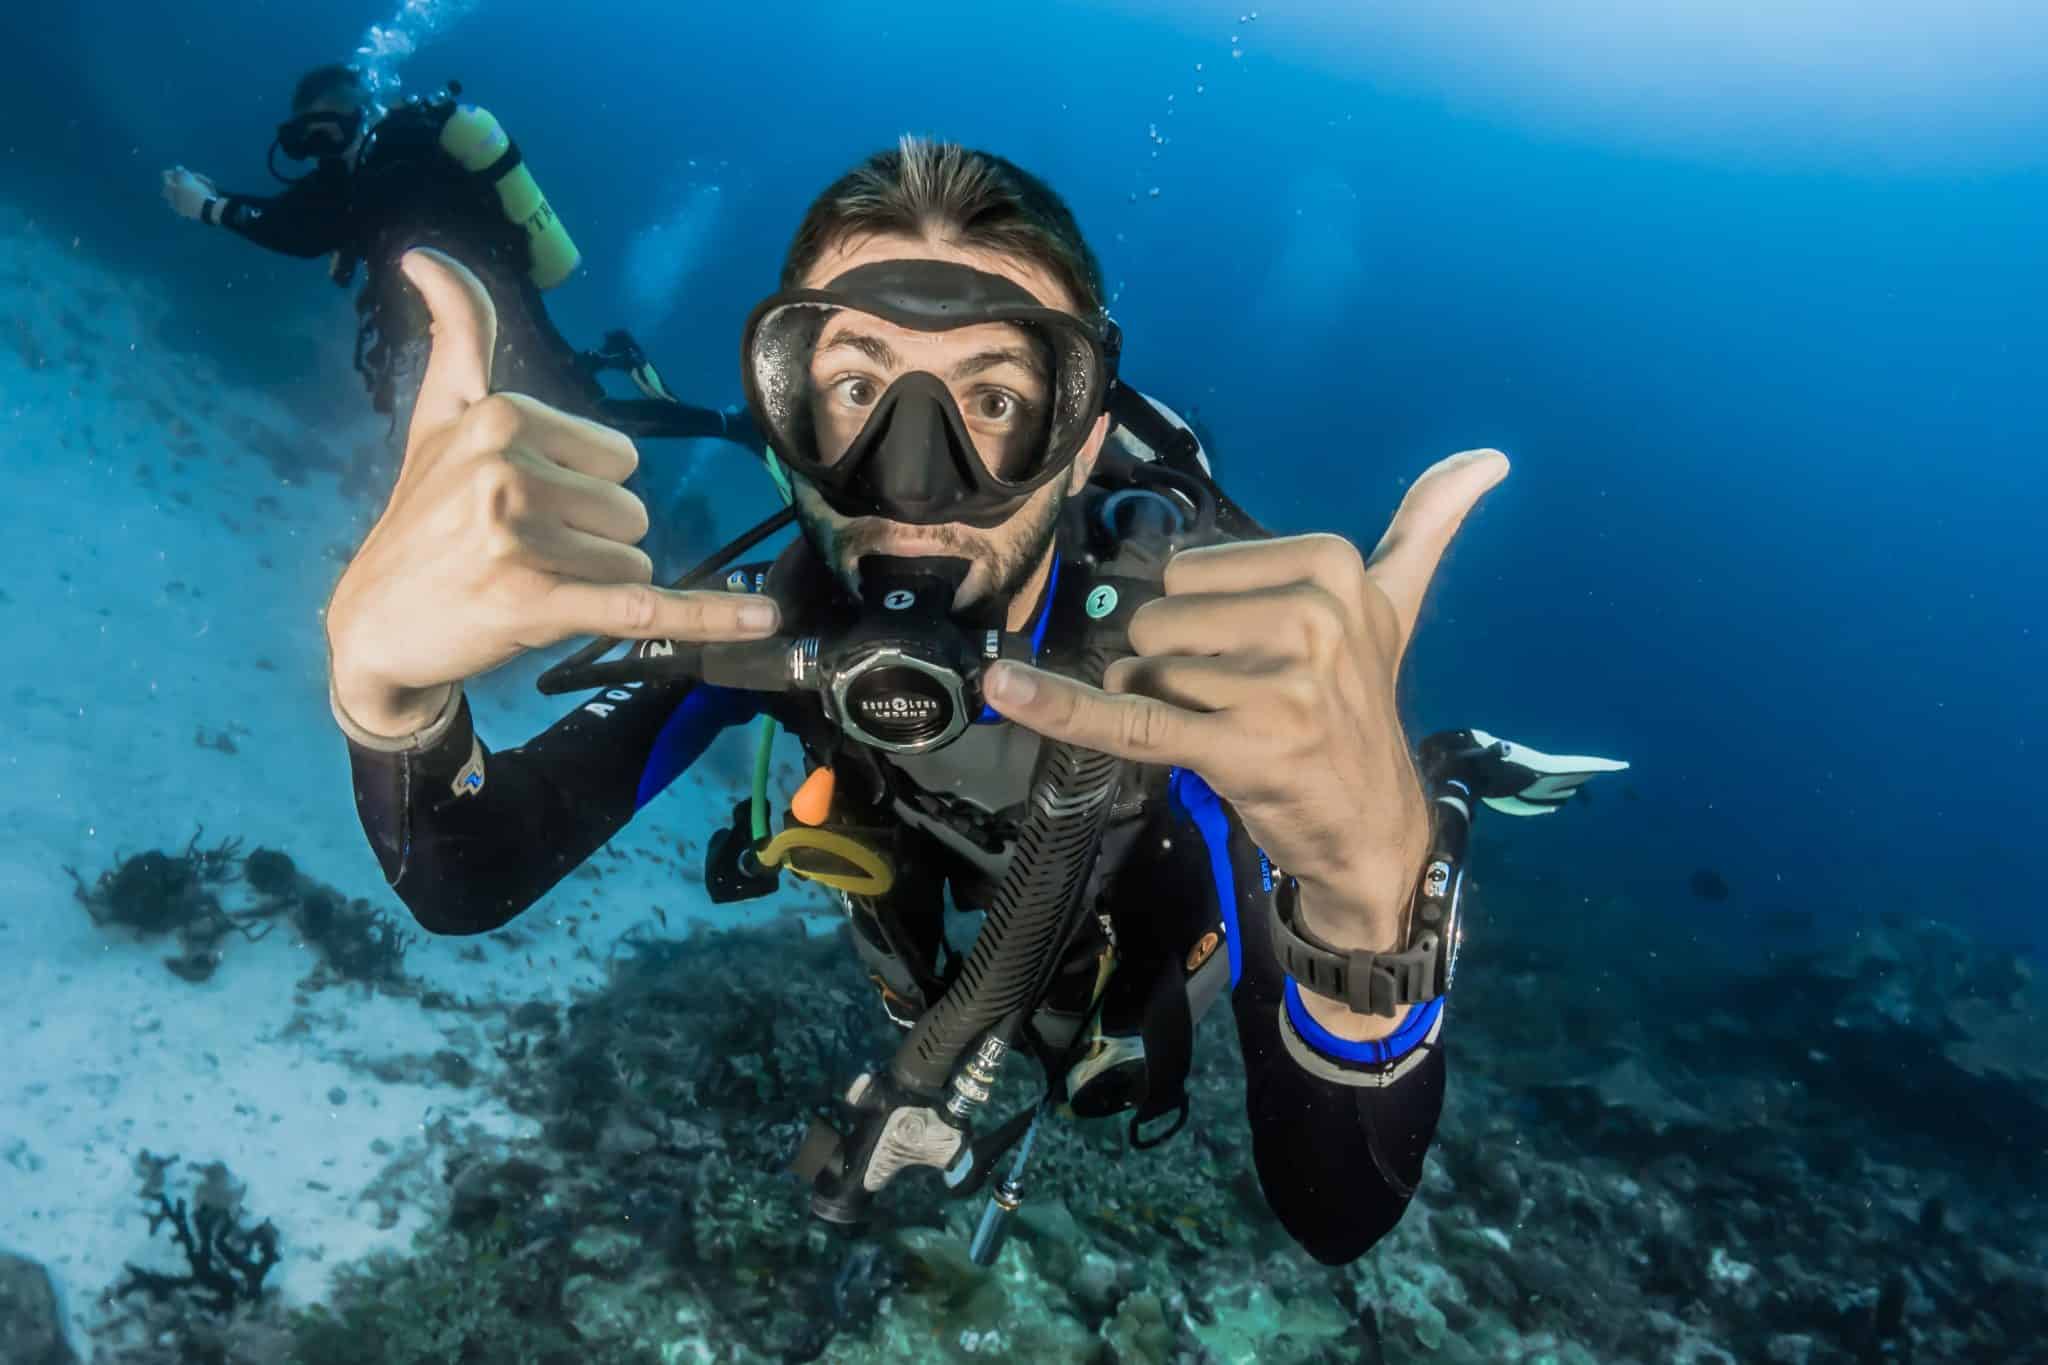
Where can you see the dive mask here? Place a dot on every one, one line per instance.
(318, 132)
(924, 391)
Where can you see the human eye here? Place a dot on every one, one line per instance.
(855, 390)
(995, 406)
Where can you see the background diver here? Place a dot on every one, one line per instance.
(1163, 778)
(436, 172)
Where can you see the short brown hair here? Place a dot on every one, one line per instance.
(921, 187)
(327, 82)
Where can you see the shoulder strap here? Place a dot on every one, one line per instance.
(1179, 450)
(1176, 445)
(1180, 997)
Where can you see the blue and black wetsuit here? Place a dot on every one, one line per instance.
(469, 838)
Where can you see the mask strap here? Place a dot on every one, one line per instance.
(780, 475)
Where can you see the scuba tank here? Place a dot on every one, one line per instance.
(475, 139)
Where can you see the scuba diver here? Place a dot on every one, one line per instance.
(1061, 680)
(436, 172)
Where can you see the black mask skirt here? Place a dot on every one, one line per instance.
(319, 132)
(857, 399)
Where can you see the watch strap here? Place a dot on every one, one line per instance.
(1367, 982)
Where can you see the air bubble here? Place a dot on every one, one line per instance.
(1236, 52)
(1154, 192)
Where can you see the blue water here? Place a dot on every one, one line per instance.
(1755, 306)
(1767, 357)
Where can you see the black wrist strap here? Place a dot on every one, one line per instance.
(1386, 983)
(1370, 983)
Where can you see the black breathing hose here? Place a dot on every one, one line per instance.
(1033, 912)
(1027, 916)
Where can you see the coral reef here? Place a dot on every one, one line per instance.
(156, 893)
(1629, 1178)
(225, 1262)
(217, 1312)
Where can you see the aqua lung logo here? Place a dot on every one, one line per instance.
(899, 710)
(900, 600)
(900, 704)
(1101, 602)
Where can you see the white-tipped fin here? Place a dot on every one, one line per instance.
(1552, 779)
(1515, 805)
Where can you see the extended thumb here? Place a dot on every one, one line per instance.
(465, 335)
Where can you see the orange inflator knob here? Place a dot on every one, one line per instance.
(812, 803)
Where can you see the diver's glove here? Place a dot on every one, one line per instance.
(1511, 778)
(191, 195)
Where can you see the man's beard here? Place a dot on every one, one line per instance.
(1004, 556)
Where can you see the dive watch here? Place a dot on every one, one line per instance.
(1422, 970)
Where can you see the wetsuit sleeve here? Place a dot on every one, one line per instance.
(469, 838)
(311, 217)
(1339, 1129)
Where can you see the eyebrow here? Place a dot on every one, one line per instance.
(989, 360)
(873, 347)
(879, 351)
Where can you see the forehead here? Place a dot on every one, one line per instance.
(981, 348)
(849, 252)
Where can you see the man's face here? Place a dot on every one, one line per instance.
(997, 378)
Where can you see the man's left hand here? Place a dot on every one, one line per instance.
(1269, 668)
(188, 192)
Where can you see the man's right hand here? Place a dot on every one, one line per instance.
(187, 192)
(508, 530)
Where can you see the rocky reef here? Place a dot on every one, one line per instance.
(1814, 1155)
